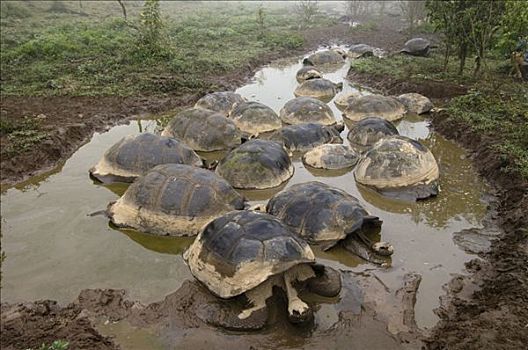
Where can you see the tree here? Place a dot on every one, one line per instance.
(413, 11)
(356, 8)
(151, 25)
(260, 21)
(123, 8)
(513, 27)
(306, 11)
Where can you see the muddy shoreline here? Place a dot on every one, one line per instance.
(487, 308)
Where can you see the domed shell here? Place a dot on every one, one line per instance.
(256, 164)
(417, 47)
(175, 200)
(134, 155)
(304, 137)
(203, 130)
(324, 57)
(343, 100)
(240, 250)
(360, 50)
(318, 212)
(399, 165)
(319, 88)
(416, 103)
(221, 102)
(331, 157)
(307, 72)
(374, 106)
(366, 132)
(254, 118)
(307, 110)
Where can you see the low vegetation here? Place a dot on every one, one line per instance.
(76, 51)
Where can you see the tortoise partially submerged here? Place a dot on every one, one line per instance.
(331, 157)
(416, 103)
(417, 47)
(343, 100)
(374, 106)
(308, 72)
(134, 155)
(256, 164)
(221, 102)
(399, 167)
(174, 200)
(320, 88)
(366, 132)
(360, 50)
(306, 110)
(203, 130)
(325, 215)
(254, 118)
(248, 253)
(304, 137)
(325, 57)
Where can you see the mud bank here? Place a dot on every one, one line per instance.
(488, 308)
(368, 315)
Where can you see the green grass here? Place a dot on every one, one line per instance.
(56, 53)
(22, 135)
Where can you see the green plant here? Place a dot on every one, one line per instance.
(56, 345)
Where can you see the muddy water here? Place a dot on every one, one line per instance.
(55, 249)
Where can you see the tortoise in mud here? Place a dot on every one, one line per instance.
(134, 155)
(254, 118)
(360, 50)
(325, 57)
(366, 132)
(304, 137)
(174, 200)
(204, 130)
(399, 167)
(417, 47)
(319, 88)
(222, 102)
(248, 253)
(416, 103)
(343, 100)
(325, 215)
(307, 73)
(331, 157)
(256, 164)
(374, 106)
(306, 110)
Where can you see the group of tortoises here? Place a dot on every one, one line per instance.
(243, 251)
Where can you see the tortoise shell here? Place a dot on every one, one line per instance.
(174, 199)
(239, 250)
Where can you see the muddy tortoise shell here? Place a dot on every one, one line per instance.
(134, 155)
(308, 72)
(320, 88)
(239, 250)
(221, 102)
(203, 130)
(381, 106)
(324, 57)
(174, 199)
(256, 164)
(417, 47)
(360, 50)
(254, 118)
(318, 212)
(306, 109)
(368, 131)
(331, 157)
(398, 162)
(304, 137)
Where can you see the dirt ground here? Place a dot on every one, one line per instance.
(486, 309)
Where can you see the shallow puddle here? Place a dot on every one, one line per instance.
(54, 248)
